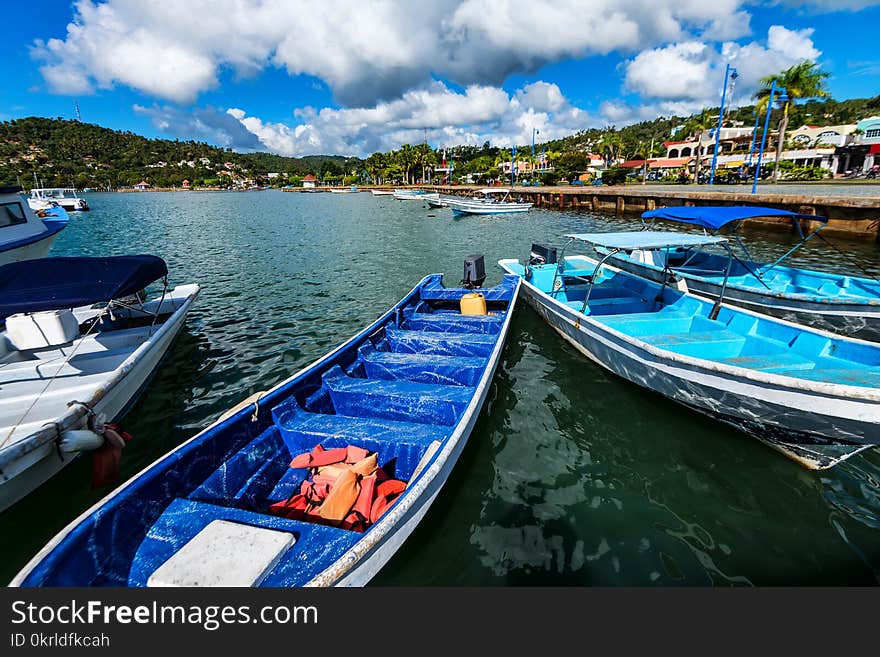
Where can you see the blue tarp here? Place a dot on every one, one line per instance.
(646, 239)
(714, 217)
(55, 283)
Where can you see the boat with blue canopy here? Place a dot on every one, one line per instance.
(78, 342)
(841, 303)
(316, 482)
(25, 233)
(808, 393)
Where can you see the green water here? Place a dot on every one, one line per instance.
(571, 477)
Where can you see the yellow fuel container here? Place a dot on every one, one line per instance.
(473, 303)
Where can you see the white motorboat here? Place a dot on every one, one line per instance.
(24, 233)
(66, 197)
(78, 344)
(491, 200)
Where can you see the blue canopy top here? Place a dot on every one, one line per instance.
(55, 283)
(646, 239)
(714, 217)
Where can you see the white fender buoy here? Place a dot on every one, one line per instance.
(80, 440)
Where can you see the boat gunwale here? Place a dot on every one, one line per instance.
(826, 388)
(274, 392)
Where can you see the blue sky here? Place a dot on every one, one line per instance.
(351, 77)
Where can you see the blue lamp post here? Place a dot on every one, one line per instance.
(754, 137)
(770, 101)
(535, 131)
(513, 166)
(729, 72)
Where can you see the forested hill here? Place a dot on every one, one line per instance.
(63, 153)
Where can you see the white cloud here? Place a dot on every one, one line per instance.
(364, 52)
(692, 72)
(478, 114)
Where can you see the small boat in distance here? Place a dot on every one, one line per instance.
(409, 194)
(344, 190)
(810, 394)
(79, 343)
(381, 192)
(491, 200)
(842, 303)
(66, 197)
(264, 496)
(25, 233)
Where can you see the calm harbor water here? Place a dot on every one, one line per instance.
(571, 477)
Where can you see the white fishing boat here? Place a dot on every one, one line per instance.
(409, 194)
(66, 197)
(491, 200)
(79, 342)
(24, 233)
(381, 192)
(808, 393)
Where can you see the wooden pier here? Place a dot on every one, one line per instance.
(856, 217)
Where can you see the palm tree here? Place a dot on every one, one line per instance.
(609, 145)
(699, 124)
(803, 80)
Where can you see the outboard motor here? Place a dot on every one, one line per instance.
(542, 254)
(474, 272)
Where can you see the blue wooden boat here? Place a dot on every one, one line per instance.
(808, 393)
(409, 387)
(845, 304)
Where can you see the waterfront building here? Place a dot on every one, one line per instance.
(310, 181)
(810, 136)
(142, 185)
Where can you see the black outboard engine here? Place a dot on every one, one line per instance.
(542, 254)
(474, 271)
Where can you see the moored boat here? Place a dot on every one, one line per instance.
(381, 192)
(25, 233)
(245, 502)
(80, 341)
(409, 194)
(842, 303)
(810, 394)
(66, 197)
(492, 200)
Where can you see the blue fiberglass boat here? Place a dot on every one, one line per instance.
(844, 304)
(810, 394)
(409, 387)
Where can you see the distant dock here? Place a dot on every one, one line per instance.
(848, 216)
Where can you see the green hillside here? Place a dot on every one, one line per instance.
(65, 152)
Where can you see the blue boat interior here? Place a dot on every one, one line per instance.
(666, 318)
(778, 280)
(401, 384)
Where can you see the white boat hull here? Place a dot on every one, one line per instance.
(817, 428)
(23, 475)
(37, 249)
